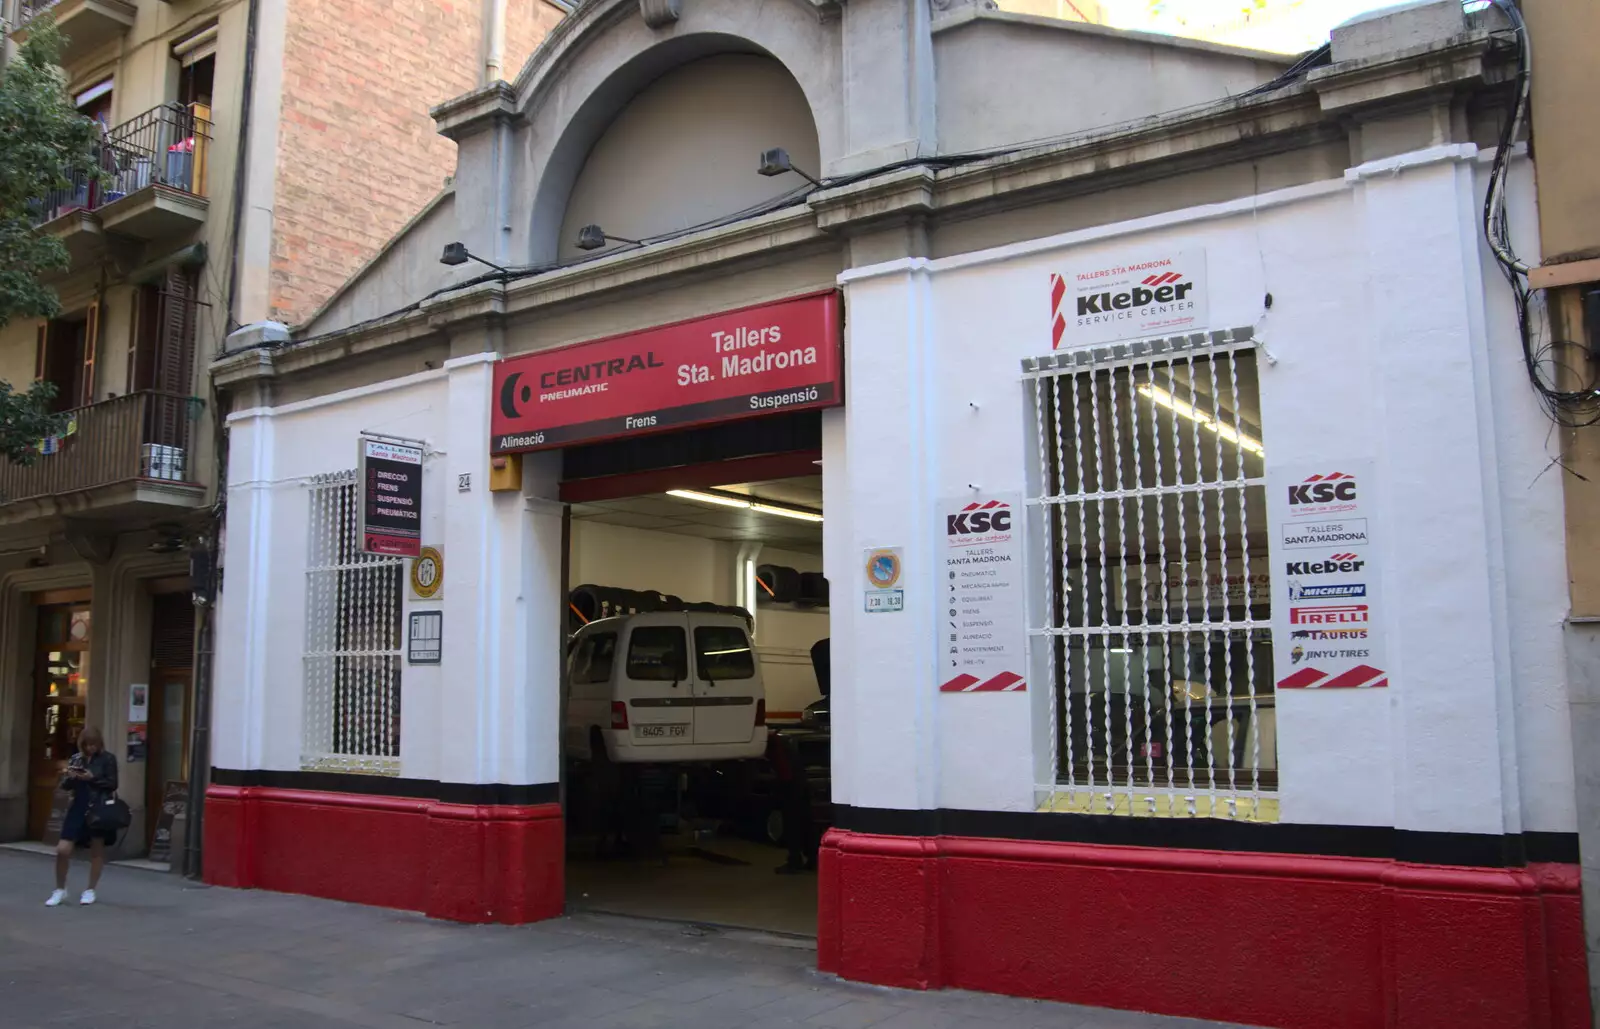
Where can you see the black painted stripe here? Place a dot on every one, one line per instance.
(1481, 850)
(742, 405)
(492, 793)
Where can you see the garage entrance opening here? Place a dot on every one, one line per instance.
(695, 712)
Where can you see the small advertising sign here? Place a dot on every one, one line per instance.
(1326, 601)
(391, 497)
(982, 614)
(760, 360)
(426, 641)
(1127, 298)
(883, 594)
(427, 574)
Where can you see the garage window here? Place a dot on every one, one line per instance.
(1150, 499)
(351, 720)
(592, 663)
(722, 653)
(658, 653)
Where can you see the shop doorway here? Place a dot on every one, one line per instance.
(171, 677)
(695, 725)
(61, 676)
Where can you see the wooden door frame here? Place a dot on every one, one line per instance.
(155, 784)
(38, 682)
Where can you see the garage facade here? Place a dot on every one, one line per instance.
(1195, 595)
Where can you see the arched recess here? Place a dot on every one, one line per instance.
(604, 56)
(684, 151)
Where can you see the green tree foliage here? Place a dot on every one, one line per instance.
(44, 145)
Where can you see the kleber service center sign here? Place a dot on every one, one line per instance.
(1326, 602)
(759, 360)
(1144, 295)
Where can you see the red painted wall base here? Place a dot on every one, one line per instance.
(467, 863)
(1262, 939)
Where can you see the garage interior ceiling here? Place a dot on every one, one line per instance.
(661, 513)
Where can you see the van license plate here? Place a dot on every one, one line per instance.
(658, 732)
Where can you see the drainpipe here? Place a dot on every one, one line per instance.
(241, 164)
(207, 570)
(494, 41)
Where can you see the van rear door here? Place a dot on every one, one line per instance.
(654, 680)
(726, 684)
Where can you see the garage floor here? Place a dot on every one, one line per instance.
(719, 881)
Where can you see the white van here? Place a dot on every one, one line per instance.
(665, 686)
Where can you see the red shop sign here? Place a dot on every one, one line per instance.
(738, 364)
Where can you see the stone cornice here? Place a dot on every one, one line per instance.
(472, 112)
(1407, 73)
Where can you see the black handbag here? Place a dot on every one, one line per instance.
(108, 813)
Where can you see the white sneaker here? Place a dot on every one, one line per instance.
(56, 898)
(87, 897)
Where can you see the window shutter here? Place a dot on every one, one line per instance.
(41, 349)
(175, 358)
(91, 340)
(172, 636)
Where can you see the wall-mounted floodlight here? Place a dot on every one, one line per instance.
(593, 237)
(457, 253)
(776, 162)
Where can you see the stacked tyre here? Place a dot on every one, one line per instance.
(780, 584)
(589, 602)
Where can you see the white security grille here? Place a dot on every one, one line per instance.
(1157, 630)
(353, 640)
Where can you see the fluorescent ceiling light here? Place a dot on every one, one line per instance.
(727, 500)
(787, 512)
(707, 498)
(1159, 396)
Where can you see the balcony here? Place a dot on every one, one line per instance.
(152, 183)
(86, 25)
(122, 457)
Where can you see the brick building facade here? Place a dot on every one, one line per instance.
(357, 152)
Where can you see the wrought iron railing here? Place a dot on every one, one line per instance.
(139, 436)
(166, 146)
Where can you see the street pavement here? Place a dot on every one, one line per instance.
(161, 951)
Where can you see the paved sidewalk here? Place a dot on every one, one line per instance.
(160, 951)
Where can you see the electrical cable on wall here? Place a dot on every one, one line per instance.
(1575, 403)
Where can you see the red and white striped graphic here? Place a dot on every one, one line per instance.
(1163, 279)
(991, 505)
(1058, 321)
(1328, 478)
(1005, 682)
(1359, 677)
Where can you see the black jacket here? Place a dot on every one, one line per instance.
(103, 767)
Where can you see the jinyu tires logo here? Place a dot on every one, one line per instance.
(883, 569)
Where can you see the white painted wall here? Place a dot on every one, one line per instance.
(261, 634)
(1390, 338)
(1393, 339)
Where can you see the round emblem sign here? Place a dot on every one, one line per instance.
(883, 568)
(427, 572)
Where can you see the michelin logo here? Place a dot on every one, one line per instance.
(1298, 592)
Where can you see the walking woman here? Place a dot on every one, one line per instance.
(91, 775)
